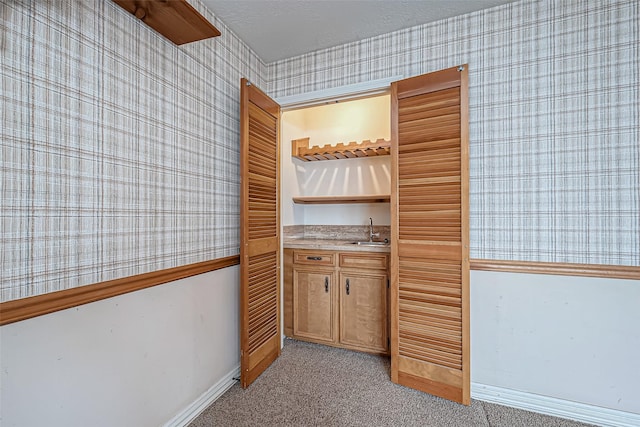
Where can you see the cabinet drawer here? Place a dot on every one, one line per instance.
(314, 258)
(363, 260)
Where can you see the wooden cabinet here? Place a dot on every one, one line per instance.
(337, 298)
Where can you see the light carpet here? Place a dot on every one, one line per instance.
(316, 385)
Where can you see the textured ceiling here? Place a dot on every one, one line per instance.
(278, 29)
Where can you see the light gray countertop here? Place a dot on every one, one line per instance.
(330, 245)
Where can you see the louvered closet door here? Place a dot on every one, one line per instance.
(260, 232)
(430, 261)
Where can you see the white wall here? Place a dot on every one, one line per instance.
(291, 127)
(345, 178)
(572, 338)
(133, 360)
(364, 119)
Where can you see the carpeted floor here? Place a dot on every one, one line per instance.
(315, 385)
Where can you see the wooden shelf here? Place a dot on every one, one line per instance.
(300, 149)
(325, 200)
(177, 20)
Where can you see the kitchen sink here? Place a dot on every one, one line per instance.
(367, 243)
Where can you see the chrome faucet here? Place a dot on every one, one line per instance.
(371, 233)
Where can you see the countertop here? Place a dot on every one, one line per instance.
(330, 245)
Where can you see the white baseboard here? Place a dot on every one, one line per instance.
(190, 413)
(555, 407)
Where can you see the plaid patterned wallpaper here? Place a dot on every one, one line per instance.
(554, 120)
(119, 150)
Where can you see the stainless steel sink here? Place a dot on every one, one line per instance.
(367, 243)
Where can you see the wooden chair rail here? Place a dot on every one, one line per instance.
(556, 268)
(26, 308)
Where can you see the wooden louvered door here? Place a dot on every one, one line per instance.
(260, 232)
(430, 254)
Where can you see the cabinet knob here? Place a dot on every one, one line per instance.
(326, 284)
(347, 286)
(314, 258)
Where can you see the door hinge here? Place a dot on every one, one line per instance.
(388, 343)
(388, 283)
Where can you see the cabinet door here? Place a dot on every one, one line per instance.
(363, 310)
(313, 306)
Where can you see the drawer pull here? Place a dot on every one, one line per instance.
(314, 258)
(326, 284)
(347, 286)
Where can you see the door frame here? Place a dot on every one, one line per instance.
(365, 90)
(337, 94)
(344, 93)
